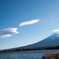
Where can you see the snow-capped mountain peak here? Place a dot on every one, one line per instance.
(51, 41)
(54, 36)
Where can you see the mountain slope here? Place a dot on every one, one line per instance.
(51, 41)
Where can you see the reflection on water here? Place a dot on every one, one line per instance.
(25, 54)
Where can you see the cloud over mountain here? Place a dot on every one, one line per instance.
(56, 30)
(7, 32)
(29, 22)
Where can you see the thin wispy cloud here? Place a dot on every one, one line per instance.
(5, 35)
(8, 32)
(56, 30)
(29, 22)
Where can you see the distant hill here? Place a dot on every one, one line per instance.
(51, 42)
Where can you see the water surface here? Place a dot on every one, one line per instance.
(25, 54)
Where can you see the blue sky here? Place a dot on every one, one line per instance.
(15, 12)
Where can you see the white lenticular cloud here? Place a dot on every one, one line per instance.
(29, 22)
(57, 30)
(5, 35)
(8, 32)
(11, 30)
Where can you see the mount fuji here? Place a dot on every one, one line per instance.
(51, 41)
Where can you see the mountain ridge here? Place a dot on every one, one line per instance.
(51, 41)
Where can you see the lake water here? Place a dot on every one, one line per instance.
(25, 54)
